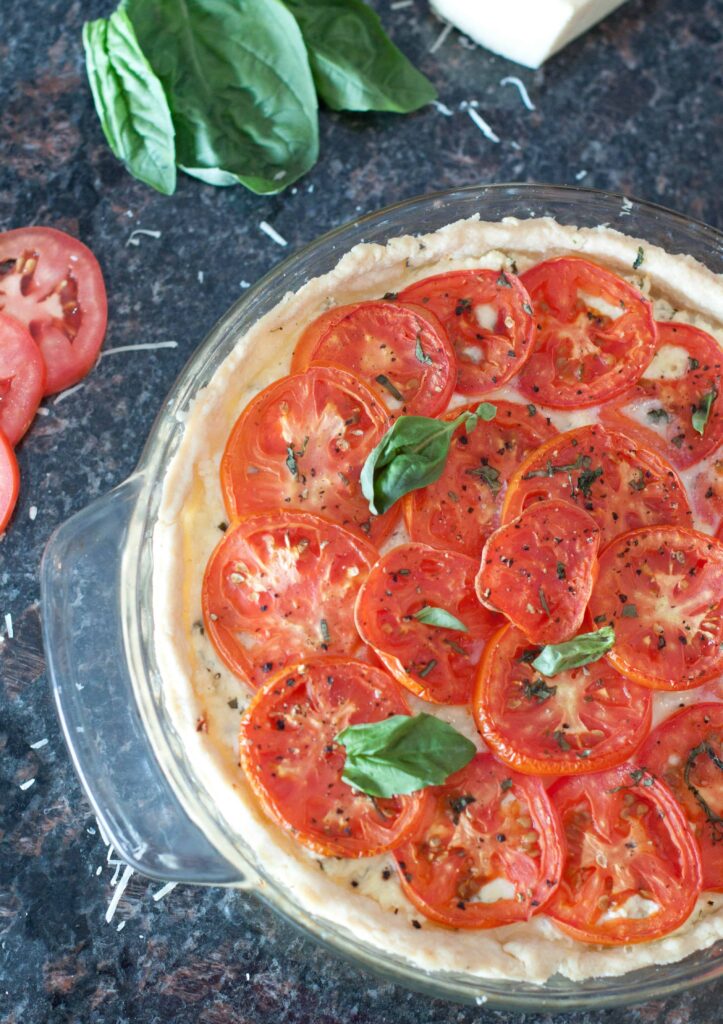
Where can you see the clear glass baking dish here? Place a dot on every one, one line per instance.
(98, 630)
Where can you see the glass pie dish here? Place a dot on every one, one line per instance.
(97, 596)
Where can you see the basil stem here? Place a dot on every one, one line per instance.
(581, 650)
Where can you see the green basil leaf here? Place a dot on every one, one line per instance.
(238, 81)
(130, 102)
(702, 411)
(431, 616)
(355, 64)
(402, 754)
(412, 454)
(581, 650)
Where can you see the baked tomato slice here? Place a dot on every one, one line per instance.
(418, 610)
(686, 752)
(52, 284)
(301, 444)
(581, 720)
(488, 317)
(622, 484)
(22, 378)
(539, 570)
(633, 870)
(279, 588)
(400, 351)
(462, 508)
(707, 496)
(290, 757)
(677, 405)
(9, 481)
(662, 590)
(594, 336)
(486, 851)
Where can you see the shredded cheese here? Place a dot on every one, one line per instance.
(120, 889)
(164, 890)
(137, 348)
(439, 41)
(27, 784)
(272, 233)
(133, 238)
(9, 625)
(38, 744)
(521, 88)
(486, 130)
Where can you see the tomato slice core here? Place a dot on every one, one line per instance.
(52, 284)
(662, 589)
(290, 757)
(580, 721)
(9, 481)
(22, 378)
(633, 870)
(400, 351)
(488, 318)
(486, 851)
(279, 588)
(594, 336)
(435, 662)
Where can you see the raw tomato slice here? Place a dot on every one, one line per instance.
(595, 333)
(434, 661)
(686, 752)
(301, 444)
(52, 284)
(9, 481)
(22, 378)
(290, 757)
(662, 590)
(488, 317)
(582, 720)
(462, 508)
(486, 851)
(633, 870)
(620, 483)
(279, 588)
(539, 570)
(659, 409)
(706, 492)
(401, 352)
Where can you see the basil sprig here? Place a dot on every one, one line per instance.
(412, 454)
(402, 754)
(701, 412)
(431, 616)
(581, 650)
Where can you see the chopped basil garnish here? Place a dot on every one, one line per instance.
(702, 411)
(431, 616)
(629, 611)
(713, 819)
(657, 415)
(393, 390)
(639, 258)
(402, 754)
(426, 669)
(324, 630)
(412, 454)
(545, 605)
(489, 475)
(291, 460)
(538, 690)
(581, 650)
(420, 353)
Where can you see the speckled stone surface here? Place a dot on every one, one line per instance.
(634, 107)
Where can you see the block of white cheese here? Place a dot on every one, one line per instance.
(526, 31)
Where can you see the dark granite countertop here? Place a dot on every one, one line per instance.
(634, 107)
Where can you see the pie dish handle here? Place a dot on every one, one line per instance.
(137, 809)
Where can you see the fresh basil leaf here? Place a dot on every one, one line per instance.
(402, 754)
(355, 64)
(431, 616)
(239, 86)
(581, 650)
(130, 102)
(412, 454)
(702, 411)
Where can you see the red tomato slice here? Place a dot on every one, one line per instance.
(52, 284)
(401, 352)
(540, 568)
(488, 317)
(301, 444)
(22, 378)
(595, 334)
(620, 483)
(662, 589)
(486, 851)
(581, 720)
(462, 508)
(659, 410)
(629, 850)
(279, 588)
(686, 752)
(9, 481)
(295, 768)
(707, 495)
(435, 662)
